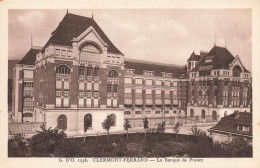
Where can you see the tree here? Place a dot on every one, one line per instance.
(161, 127)
(146, 122)
(87, 125)
(127, 126)
(176, 128)
(108, 122)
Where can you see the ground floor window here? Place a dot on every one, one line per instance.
(214, 115)
(88, 120)
(203, 114)
(62, 122)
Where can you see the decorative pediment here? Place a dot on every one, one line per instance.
(237, 61)
(91, 34)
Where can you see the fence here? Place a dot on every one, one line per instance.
(24, 128)
(153, 122)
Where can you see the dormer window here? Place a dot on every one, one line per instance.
(150, 73)
(57, 51)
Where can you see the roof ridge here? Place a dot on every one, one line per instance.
(151, 62)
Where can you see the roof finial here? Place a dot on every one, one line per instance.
(31, 41)
(215, 40)
(67, 10)
(92, 14)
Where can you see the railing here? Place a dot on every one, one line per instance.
(28, 79)
(158, 96)
(28, 109)
(81, 77)
(89, 63)
(28, 93)
(149, 96)
(113, 80)
(63, 76)
(167, 96)
(96, 78)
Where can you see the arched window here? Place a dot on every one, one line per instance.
(214, 115)
(225, 113)
(113, 74)
(203, 114)
(87, 121)
(89, 52)
(236, 71)
(113, 119)
(191, 112)
(62, 122)
(63, 69)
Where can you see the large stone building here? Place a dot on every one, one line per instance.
(79, 75)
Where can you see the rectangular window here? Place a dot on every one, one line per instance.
(66, 85)
(58, 84)
(88, 103)
(81, 102)
(114, 102)
(117, 59)
(149, 82)
(63, 52)
(109, 102)
(128, 80)
(89, 71)
(66, 93)
(81, 71)
(58, 93)
(89, 94)
(95, 102)
(158, 92)
(109, 58)
(58, 102)
(66, 102)
(139, 81)
(89, 86)
(138, 112)
(81, 94)
(175, 93)
(157, 112)
(81, 85)
(167, 83)
(96, 70)
(96, 87)
(69, 53)
(175, 84)
(128, 90)
(115, 88)
(96, 94)
(148, 91)
(158, 82)
(109, 88)
(138, 91)
(57, 51)
(167, 92)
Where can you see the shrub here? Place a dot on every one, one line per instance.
(45, 141)
(18, 146)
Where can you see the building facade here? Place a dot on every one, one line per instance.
(79, 76)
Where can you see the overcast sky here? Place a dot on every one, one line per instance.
(167, 35)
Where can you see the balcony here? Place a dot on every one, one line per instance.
(63, 76)
(28, 79)
(92, 63)
(113, 80)
(158, 96)
(28, 109)
(96, 78)
(89, 78)
(167, 96)
(149, 96)
(28, 93)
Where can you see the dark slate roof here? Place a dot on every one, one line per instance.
(30, 57)
(221, 58)
(230, 122)
(141, 66)
(194, 57)
(72, 26)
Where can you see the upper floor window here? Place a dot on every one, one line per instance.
(81, 70)
(236, 71)
(63, 69)
(89, 52)
(113, 74)
(96, 70)
(89, 71)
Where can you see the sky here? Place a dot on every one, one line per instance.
(159, 35)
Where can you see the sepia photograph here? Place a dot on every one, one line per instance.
(142, 83)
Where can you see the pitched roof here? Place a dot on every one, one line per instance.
(158, 68)
(230, 122)
(220, 56)
(72, 26)
(194, 57)
(30, 57)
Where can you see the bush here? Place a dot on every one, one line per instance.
(45, 141)
(18, 146)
